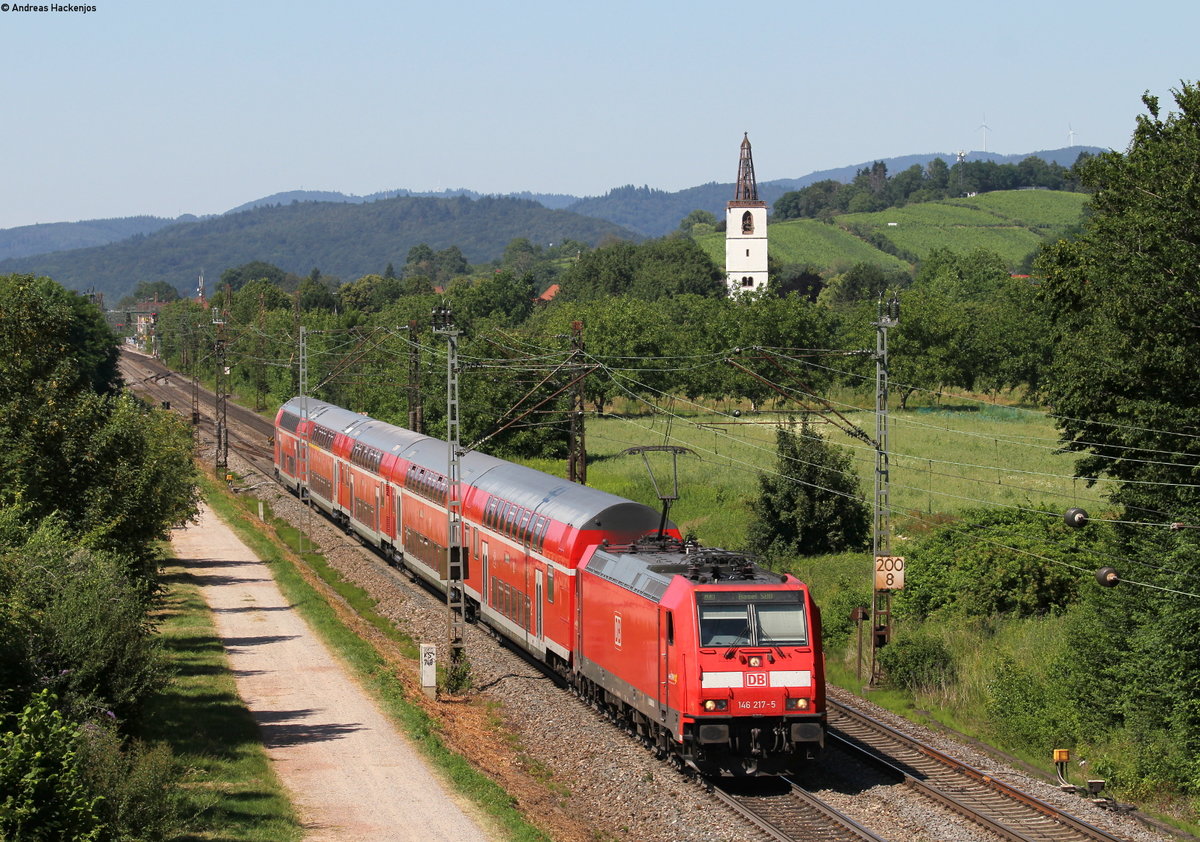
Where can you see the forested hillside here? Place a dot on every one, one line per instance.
(342, 240)
(59, 236)
(654, 213)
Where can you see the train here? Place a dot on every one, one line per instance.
(709, 658)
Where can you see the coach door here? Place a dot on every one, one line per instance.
(537, 603)
(487, 581)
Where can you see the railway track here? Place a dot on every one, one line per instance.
(161, 385)
(1001, 809)
(790, 812)
(795, 814)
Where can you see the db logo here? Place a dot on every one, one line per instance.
(756, 679)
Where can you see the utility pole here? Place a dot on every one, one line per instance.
(888, 570)
(416, 414)
(305, 437)
(456, 556)
(576, 445)
(222, 387)
(193, 346)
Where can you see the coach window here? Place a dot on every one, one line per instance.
(670, 629)
(549, 584)
(523, 529)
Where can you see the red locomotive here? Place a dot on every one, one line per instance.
(706, 656)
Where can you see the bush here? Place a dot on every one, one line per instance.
(917, 663)
(140, 784)
(79, 625)
(836, 625)
(43, 792)
(996, 561)
(1024, 710)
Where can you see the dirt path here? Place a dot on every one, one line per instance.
(350, 774)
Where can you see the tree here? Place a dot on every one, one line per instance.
(314, 295)
(239, 276)
(1124, 303)
(370, 293)
(862, 282)
(1123, 300)
(698, 222)
(502, 296)
(811, 503)
(810, 202)
(67, 443)
(1025, 567)
(255, 297)
(656, 269)
(150, 291)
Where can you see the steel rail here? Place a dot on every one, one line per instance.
(798, 815)
(993, 804)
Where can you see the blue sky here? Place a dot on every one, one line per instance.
(172, 107)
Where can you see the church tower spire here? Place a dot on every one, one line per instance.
(745, 230)
(747, 188)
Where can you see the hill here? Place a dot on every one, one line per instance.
(57, 236)
(554, 201)
(654, 213)
(345, 240)
(1011, 223)
(644, 210)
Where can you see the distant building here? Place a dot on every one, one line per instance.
(745, 231)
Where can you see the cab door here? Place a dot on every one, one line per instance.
(666, 640)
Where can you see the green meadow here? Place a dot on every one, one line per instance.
(943, 459)
(1012, 223)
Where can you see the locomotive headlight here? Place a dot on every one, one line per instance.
(755, 660)
(716, 704)
(797, 704)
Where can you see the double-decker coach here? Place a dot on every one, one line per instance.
(708, 657)
(525, 531)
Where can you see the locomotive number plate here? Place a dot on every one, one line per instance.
(760, 704)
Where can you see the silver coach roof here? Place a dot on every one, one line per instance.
(566, 502)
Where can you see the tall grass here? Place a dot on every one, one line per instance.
(942, 460)
(231, 791)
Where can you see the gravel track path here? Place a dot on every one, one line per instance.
(348, 771)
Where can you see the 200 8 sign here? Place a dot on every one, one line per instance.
(889, 572)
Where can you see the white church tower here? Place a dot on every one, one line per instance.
(746, 231)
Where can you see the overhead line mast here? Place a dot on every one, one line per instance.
(456, 559)
(885, 575)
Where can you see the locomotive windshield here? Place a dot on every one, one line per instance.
(752, 618)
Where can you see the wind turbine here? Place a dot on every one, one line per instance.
(984, 128)
(1070, 135)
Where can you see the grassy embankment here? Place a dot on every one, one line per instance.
(231, 790)
(279, 547)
